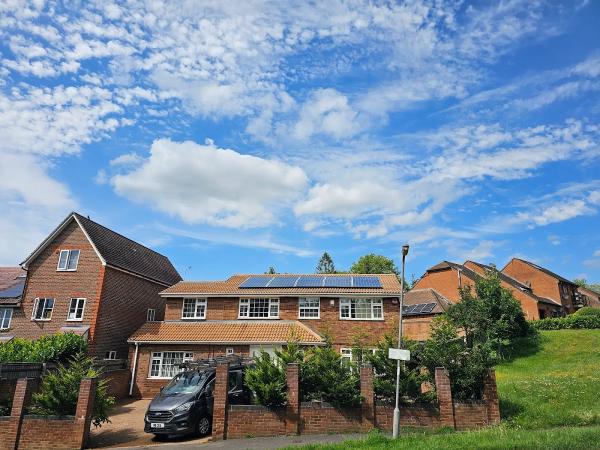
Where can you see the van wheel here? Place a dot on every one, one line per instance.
(204, 425)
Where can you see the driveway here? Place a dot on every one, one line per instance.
(127, 428)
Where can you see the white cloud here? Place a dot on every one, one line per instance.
(127, 159)
(207, 184)
(483, 249)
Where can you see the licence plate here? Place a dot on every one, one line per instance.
(157, 425)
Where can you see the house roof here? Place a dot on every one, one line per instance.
(226, 332)
(117, 251)
(588, 292)
(12, 283)
(390, 286)
(427, 295)
(543, 269)
(506, 278)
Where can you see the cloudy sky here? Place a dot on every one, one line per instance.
(236, 136)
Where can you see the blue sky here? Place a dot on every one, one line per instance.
(234, 138)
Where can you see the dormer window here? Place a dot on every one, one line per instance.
(67, 260)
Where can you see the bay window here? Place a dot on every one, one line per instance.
(361, 309)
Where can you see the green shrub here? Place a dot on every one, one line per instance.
(60, 389)
(267, 381)
(574, 321)
(57, 348)
(588, 311)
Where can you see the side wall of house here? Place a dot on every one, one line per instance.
(43, 280)
(446, 282)
(125, 303)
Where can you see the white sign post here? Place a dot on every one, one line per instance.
(399, 354)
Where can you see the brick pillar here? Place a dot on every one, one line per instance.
(292, 409)
(368, 397)
(444, 394)
(220, 406)
(12, 430)
(490, 396)
(85, 408)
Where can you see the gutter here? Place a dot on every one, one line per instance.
(135, 359)
(212, 343)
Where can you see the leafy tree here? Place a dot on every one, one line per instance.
(582, 282)
(271, 271)
(325, 264)
(60, 389)
(488, 314)
(267, 380)
(373, 263)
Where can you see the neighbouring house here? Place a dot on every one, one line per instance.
(544, 283)
(87, 279)
(245, 313)
(587, 297)
(12, 283)
(448, 277)
(421, 306)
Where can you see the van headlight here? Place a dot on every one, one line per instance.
(183, 408)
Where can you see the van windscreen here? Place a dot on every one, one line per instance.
(186, 383)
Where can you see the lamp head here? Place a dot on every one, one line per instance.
(405, 250)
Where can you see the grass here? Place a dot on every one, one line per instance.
(549, 399)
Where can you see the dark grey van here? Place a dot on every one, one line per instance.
(185, 405)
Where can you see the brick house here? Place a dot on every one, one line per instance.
(421, 306)
(12, 283)
(247, 312)
(544, 283)
(587, 297)
(447, 277)
(87, 279)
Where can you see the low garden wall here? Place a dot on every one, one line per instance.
(238, 421)
(21, 431)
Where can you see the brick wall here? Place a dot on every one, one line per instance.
(118, 382)
(38, 432)
(43, 280)
(125, 302)
(238, 421)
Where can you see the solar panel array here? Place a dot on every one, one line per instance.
(309, 281)
(419, 308)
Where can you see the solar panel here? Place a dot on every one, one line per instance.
(428, 308)
(310, 281)
(283, 282)
(255, 282)
(363, 281)
(338, 281)
(408, 309)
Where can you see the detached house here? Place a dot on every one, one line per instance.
(447, 277)
(12, 283)
(245, 313)
(87, 279)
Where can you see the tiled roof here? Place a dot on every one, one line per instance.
(427, 295)
(227, 332)
(230, 287)
(118, 251)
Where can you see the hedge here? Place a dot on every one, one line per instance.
(574, 321)
(56, 348)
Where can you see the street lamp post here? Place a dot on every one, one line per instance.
(396, 428)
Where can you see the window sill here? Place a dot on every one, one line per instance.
(75, 320)
(189, 318)
(41, 320)
(66, 270)
(309, 318)
(364, 320)
(160, 378)
(258, 318)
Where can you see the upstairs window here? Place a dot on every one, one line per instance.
(42, 309)
(194, 308)
(5, 316)
(111, 354)
(76, 309)
(151, 315)
(259, 308)
(308, 308)
(67, 260)
(361, 309)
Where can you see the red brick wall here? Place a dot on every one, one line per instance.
(443, 281)
(43, 280)
(125, 302)
(118, 382)
(410, 416)
(145, 387)
(417, 328)
(323, 418)
(470, 415)
(255, 421)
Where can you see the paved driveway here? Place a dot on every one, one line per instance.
(127, 428)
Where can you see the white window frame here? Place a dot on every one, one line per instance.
(112, 354)
(229, 351)
(67, 260)
(151, 315)
(375, 303)
(346, 353)
(35, 308)
(272, 311)
(197, 302)
(160, 358)
(4, 314)
(306, 308)
(76, 319)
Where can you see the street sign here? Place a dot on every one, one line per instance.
(398, 353)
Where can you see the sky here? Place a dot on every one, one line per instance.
(234, 136)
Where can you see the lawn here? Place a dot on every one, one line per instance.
(549, 399)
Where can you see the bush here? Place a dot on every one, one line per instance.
(59, 391)
(574, 321)
(267, 381)
(588, 311)
(57, 348)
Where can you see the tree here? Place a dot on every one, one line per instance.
(325, 264)
(373, 263)
(582, 282)
(271, 271)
